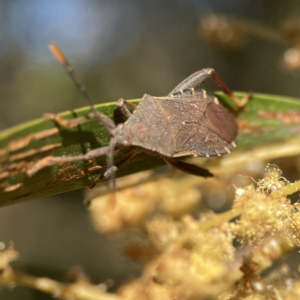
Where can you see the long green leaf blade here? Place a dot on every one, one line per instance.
(264, 120)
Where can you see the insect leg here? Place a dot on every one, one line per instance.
(197, 78)
(122, 105)
(107, 123)
(222, 86)
(52, 160)
(188, 168)
(111, 174)
(113, 169)
(192, 81)
(70, 123)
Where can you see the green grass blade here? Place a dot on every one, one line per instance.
(266, 119)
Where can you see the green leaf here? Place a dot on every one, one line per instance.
(265, 119)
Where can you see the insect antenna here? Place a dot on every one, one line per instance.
(70, 70)
(103, 119)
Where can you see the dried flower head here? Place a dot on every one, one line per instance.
(272, 180)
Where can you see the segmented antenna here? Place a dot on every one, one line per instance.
(70, 70)
(103, 119)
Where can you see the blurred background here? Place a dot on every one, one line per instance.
(123, 49)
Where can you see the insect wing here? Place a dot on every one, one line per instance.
(203, 128)
(199, 140)
(221, 122)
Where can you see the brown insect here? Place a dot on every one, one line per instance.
(186, 122)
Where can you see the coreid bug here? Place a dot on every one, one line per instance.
(186, 122)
